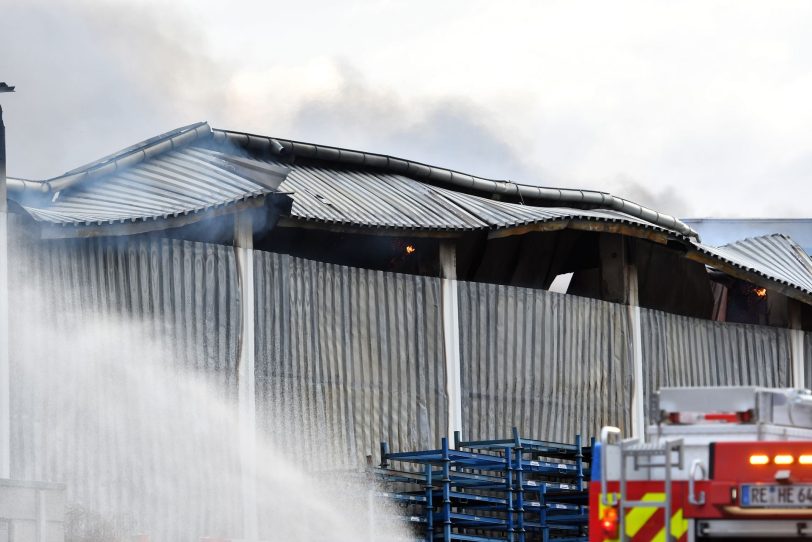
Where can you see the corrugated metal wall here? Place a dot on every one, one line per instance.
(348, 356)
(550, 364)
(683, 351)
(112, 347)
(345, 357)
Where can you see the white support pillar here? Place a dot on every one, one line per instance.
(451, 332)
(244, 251)
(638, 396)
(5, 387)
(42, 517)
(796, 345)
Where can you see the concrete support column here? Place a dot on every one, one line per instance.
(638, 394)
(451, 332)
(5, 388)
(797, 353)
(244, 251)
(619, 284)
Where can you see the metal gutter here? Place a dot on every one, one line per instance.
(287, 148)
(21, 186)
(116, 162)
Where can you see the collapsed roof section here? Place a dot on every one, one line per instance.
(194, 173)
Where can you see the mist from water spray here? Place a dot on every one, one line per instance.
(149, 446)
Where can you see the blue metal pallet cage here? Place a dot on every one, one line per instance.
(515, 490)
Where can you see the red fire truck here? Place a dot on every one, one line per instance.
(731, 463)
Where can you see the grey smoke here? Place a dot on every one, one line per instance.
(93, 78)
(450, 131)
(663, 199)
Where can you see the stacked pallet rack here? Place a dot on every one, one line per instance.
(550, 484)
(482, 491)
(452, 496)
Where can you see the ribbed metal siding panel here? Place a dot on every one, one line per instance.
(683, 351)
(550, 364)
(347, 357)
(172, 298)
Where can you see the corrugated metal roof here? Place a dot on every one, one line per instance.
(370, 199)
(721, 231)
(163, 177)
(502, 215)
(263, 146)
(184, 171)
(178, 182)
(187, 171)
(776, 257)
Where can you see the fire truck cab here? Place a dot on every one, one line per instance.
(731, 463)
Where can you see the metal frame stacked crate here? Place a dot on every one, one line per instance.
(514, 490)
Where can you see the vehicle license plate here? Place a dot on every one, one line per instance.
(776, 496)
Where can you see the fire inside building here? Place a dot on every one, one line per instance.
(383, 299)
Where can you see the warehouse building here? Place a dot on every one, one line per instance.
(387, 299)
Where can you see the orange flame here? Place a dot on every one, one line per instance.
(410, 249)
(761, 292)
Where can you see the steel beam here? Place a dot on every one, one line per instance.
(638, 402)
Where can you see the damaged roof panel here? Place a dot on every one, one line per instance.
(192, 170)
(370, 199)
(776, 257)
(262, 146)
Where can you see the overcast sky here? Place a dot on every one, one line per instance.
(696, 108)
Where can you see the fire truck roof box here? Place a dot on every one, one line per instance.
(780, 406)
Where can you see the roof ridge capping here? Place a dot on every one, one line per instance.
(285, 147)
(120, 160)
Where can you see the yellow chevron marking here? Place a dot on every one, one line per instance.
(678, 527)
(640, 515)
